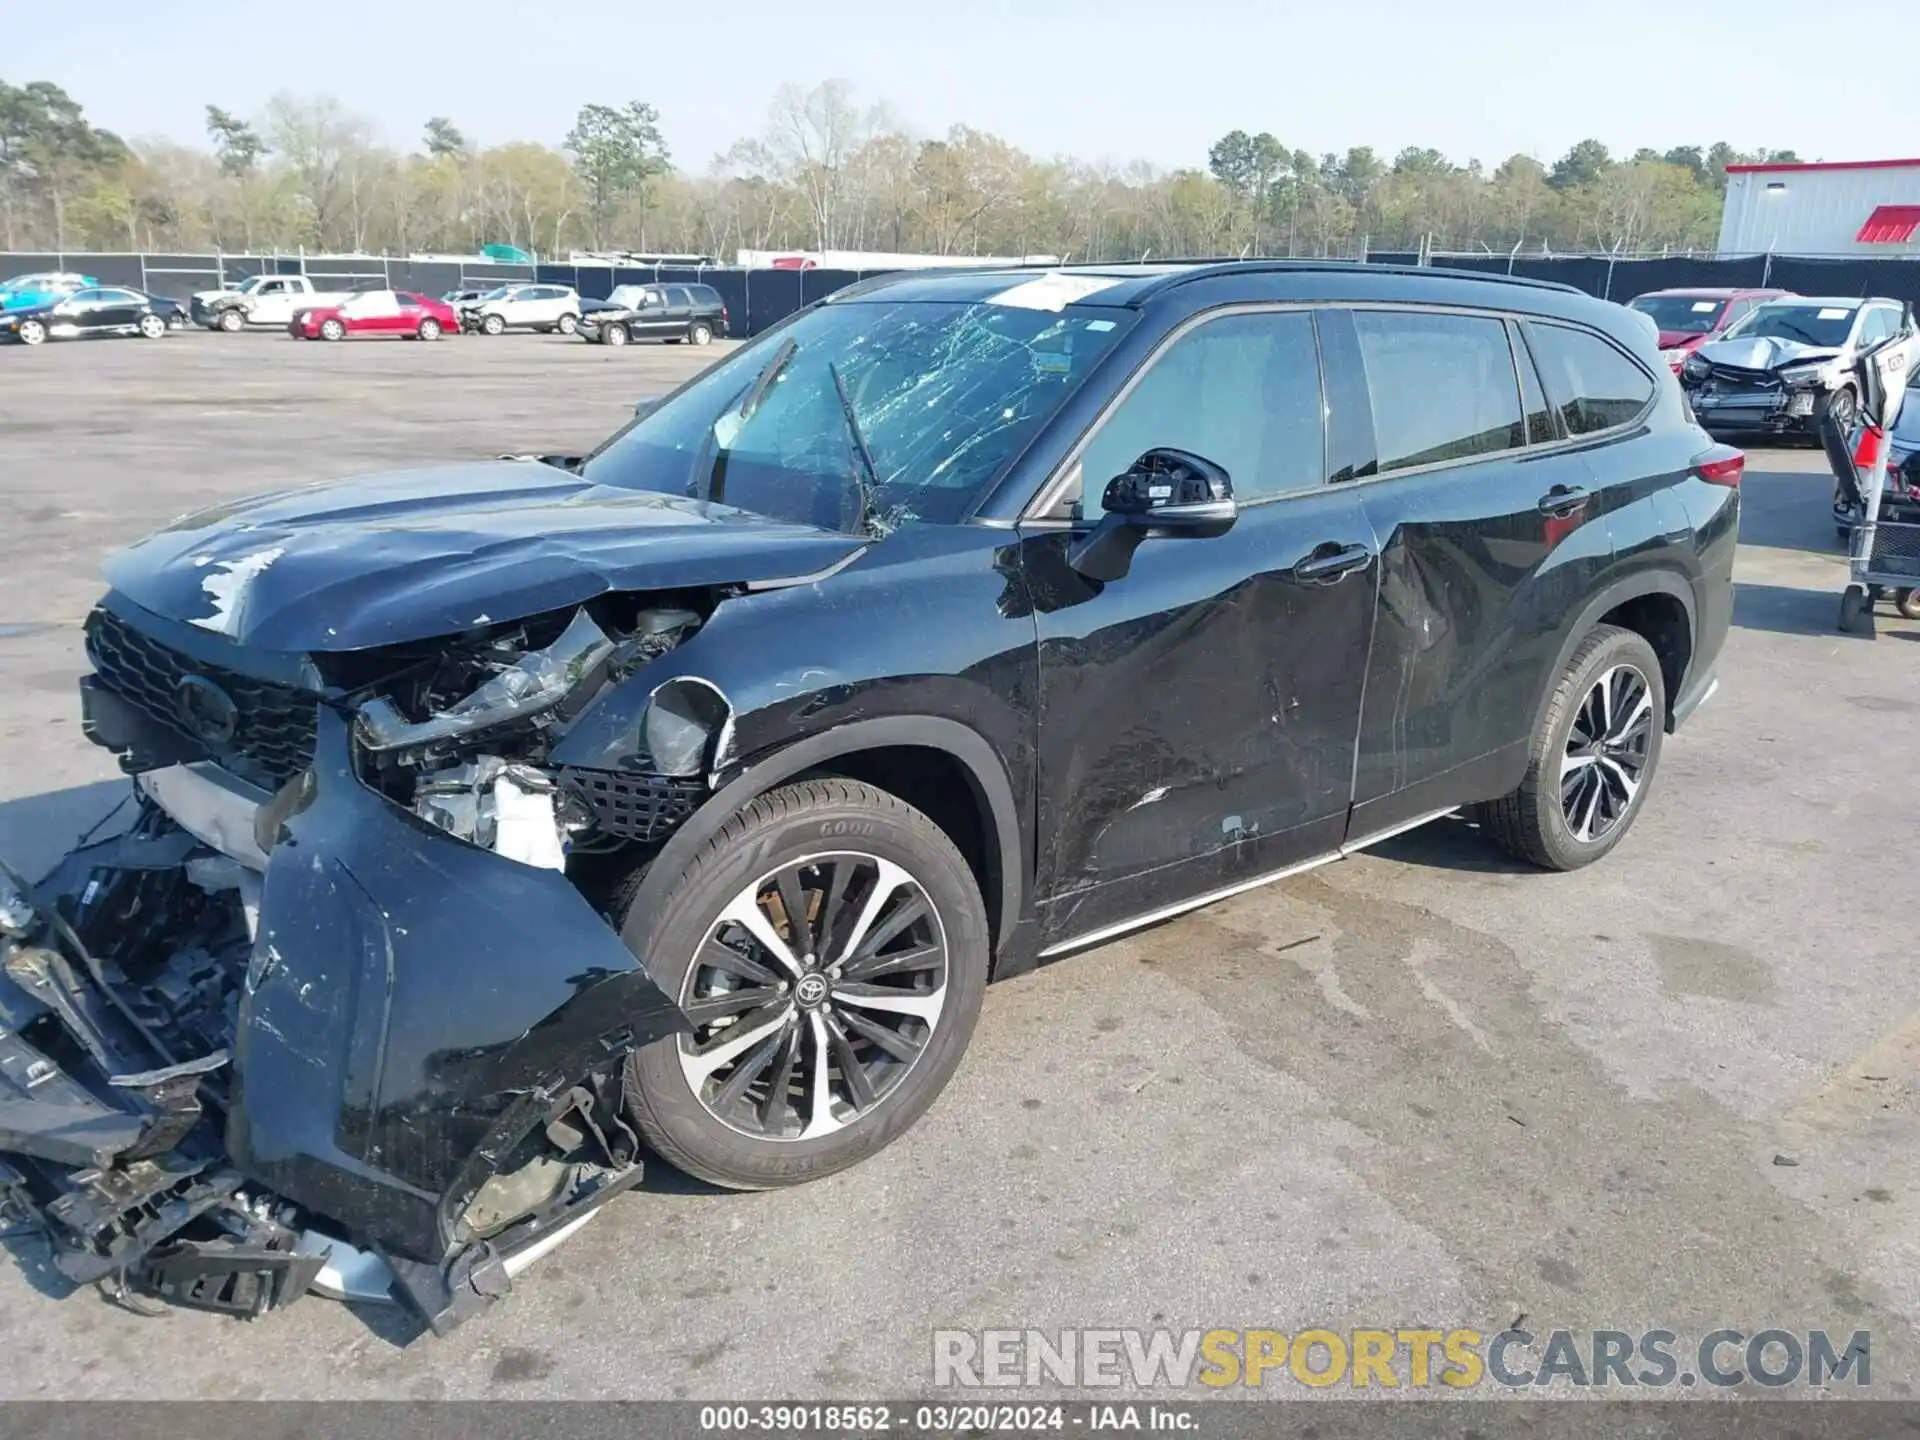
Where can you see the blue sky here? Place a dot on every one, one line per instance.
(1112, 79)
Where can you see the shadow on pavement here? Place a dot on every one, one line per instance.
(36, 830)
(1787, 609)
(1788, 510)
(1453, 842)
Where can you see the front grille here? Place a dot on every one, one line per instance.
(274, 735)
(634, 807)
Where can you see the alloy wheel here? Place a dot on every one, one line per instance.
(813, 995)
(152, 326)
(1606, 753)
(32, 332)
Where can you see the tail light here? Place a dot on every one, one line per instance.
(1721, 465)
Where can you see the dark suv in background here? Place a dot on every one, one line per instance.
(495, 817)
(693, 313)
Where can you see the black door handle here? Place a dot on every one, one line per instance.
(1329, 561)
(1562, 500)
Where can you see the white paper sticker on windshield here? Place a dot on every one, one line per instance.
(1052, 292)
(1705, 307)
(1833, 313)
(1099, 326)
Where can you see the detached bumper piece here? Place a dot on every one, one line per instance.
(387, 1061)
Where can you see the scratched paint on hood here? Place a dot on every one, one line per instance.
(225, 584)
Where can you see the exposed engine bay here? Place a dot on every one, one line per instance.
(230, 1071)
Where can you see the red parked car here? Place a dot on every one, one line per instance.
(1687, 319)
(378, 312)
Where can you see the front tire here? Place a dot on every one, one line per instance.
(816, 1041)
(613, 335)
(1840, 408)
(231, 321)
(1593, 758)
(492, 325)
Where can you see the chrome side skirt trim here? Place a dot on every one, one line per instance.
(1181, 907)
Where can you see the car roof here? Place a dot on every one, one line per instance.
(1134, 284)
(1709, 292)
(1832, 302)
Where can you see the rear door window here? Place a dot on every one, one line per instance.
(678, 297)
(1590, 382)
(1442, 386)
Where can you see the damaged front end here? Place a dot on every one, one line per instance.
(1770, 385)
(344, 1007)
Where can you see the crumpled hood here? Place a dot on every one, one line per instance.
(1762, 354)
(408, 556)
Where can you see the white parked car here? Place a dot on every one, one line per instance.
(525, 307)
(261, 300)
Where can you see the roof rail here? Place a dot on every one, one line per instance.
(1203, 269)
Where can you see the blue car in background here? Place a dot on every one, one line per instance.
(26, 290)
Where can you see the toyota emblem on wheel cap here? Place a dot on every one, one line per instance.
(208, 711)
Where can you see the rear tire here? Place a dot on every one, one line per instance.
(569, 325)
(842, 1064)
(1907, 602)
(152, 327)
(1593, 759)
(32, 332)
(331, 329)
(429, 329)
(700, 333)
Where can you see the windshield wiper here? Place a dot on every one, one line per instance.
(763, 382)
(870, 491)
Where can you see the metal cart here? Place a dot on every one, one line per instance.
(1884, 558)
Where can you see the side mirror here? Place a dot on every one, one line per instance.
(1164, 492)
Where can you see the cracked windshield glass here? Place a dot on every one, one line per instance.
(863, 417)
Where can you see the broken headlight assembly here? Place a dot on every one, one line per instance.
(537, 683)
(459, 735)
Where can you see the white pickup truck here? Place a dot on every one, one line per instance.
(260, 300)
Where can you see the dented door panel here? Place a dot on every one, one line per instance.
(1476, 587)
(1197, 717)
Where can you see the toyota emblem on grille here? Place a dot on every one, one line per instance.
(209, 712)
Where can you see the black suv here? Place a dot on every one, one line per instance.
(693, 313)
(496, 818)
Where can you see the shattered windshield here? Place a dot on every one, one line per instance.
(1824, 325)
(864, 416)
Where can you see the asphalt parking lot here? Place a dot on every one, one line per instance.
(1423, 1088)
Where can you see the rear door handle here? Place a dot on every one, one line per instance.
(1562, 500)
(1329, 561)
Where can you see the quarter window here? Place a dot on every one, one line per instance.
(1243, 391)
(1591, 383)
(1442, 386)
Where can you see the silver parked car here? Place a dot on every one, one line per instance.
(545, 308)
